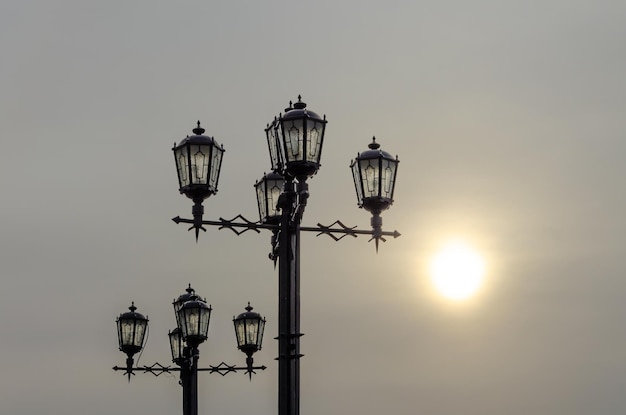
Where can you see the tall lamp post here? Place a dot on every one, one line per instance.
(295, 141)
(192, 326)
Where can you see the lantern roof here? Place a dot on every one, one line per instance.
(248, 313)
(189, 295)
(374, 151)
(132, 314)
(298, 110)
(197, 138)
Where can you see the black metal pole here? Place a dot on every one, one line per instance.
(193, 392)
(289, 305)
(189, 381)
(185, 377)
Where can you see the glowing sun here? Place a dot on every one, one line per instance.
(457, 271)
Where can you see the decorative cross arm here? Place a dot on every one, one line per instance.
(336, 233)
(158, 369)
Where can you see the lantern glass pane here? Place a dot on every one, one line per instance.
(387, 178)
(140, 332)
(240, 331)
(261, 329)
(274, 190)
(126, 332)
(370, 177)
(260, 197)
(182, 165)
(252, 330)
(315, 135)
(176, 344)
(293, 136)
(273, 145)
(200, 162)
(358, 186)
(216, 164)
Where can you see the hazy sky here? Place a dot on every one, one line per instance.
(508, 118)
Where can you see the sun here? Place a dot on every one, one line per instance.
(457, 271)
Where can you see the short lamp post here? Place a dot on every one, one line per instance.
(295, 140)
(192, 318)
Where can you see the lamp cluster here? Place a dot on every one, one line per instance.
(294, 140)
(192, 326)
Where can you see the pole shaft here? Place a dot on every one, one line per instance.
(289, 306)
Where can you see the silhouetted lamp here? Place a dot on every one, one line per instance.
(198, 162)
(300, 136)
(249, 328)
(131, 331)
(177, 346)
(189, 295)
(194, 318)
(374, 172)
(268, 190)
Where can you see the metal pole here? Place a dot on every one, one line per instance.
(185, 380)
(189, 381)
(289, 305)
(185, 373)
(193, 387)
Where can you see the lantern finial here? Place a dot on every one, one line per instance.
(374, 145)
(299, 105)
(198, 130)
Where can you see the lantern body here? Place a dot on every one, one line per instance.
(181, 300)
(249, 328)
(194, 319)
(131, 331)
(198, 163)
(268, 190)
(177, 346)
(301, 136)
(273, 144)
(374, 173)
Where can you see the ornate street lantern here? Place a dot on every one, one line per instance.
(177, 346)
(268, 190)
(300, 136)
(374, 173)
(131, 331)
(182, 299)
(198, 161)
(249, 327)
(194, 318)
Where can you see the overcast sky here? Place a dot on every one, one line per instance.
(507, 116)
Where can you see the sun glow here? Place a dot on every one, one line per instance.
(457, 271)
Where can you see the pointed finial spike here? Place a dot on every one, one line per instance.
(198, 130)
(197, 234)
(374, 145)
(299, 98)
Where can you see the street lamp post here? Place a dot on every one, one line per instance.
(295, 141)
(192, 320)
